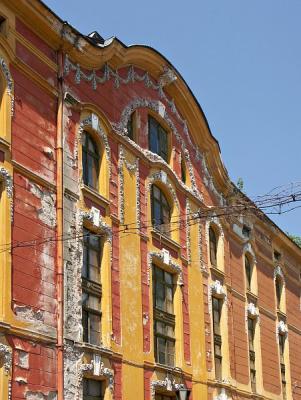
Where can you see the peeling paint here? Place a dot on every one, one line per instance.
(41, 396)
(47, 212)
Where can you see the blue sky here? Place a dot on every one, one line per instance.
(242, 60)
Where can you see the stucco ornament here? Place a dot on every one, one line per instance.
(6, 177)
(282, 328)
(252, 310)
(161, 176)
(94, 217)
(97, 368)
(92, 122)
(278, 272)
(158, 107)
(222, 396)
(167, 77)
(217, 289)
(6, 354)
(164, 258)
(249, 249)
(131, 77)
(8, 181)
(168, 384)
(9, 84)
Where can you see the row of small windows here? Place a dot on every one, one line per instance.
(158, 144)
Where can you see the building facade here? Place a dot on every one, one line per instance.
(128, 270)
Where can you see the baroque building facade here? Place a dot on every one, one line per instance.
(128, 270)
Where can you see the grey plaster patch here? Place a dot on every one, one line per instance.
(23, 361)
(47, 212)
(34, 317)
(40, 396)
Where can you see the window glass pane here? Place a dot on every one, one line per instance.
(161, 350)
(170, 353)
(94, 329)
(168, 277)
(92, 388)
(85, 322)
(85, 265)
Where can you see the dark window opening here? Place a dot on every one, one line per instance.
(164, 318)
(161, 212)
(282, 364)
(277, 255)
(216, 315)
(158, 140)
(248, 271)
(90, 161)
(251, 336)
(246, 231)
(92, 389)
(131, 127)
(213, 246)
(278, 287)
(183, 170)
(91, 289)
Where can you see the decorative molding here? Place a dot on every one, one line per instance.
(158, 107)
(282, 328)
(248, 249)
(222, 396)
(252, 312)
(218, 290)
(188, 234)
(162, 177)
(164, 258)
(168, 384)
(6, 354)
(278, 272)
(92, 122)
(165, 79)
(93, 216)
(9, 83)
(6, 177)
(98, 368)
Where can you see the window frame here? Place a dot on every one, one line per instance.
(164, 206)
(252, 354)
(157, 142)
(213, 246)
(90, 287)
(163, 317)
(95, 158)
(248, 272)
(217, 337)
(90, 397)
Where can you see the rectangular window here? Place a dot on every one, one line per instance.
(130, 127)
(164, 397)
(216, 314)
(158, 140)
(251, 336)
(91, 289)
(164, 319)
(92, 389)
(282, 364)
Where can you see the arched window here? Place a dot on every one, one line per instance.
(278, 288)
(213, 246)
(90, 161)
(158, 140)
(248, 272)
(161, 210)
(183, 170)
